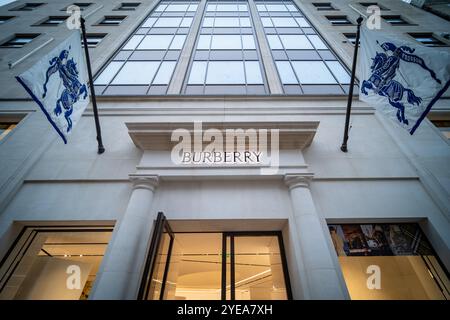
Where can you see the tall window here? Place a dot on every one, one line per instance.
(146, 62)
(226, 59)
(305, 63)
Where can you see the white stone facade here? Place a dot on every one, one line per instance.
(387, 175)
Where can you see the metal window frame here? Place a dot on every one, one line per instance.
(342, 86)
(182, 14)
(213, 15)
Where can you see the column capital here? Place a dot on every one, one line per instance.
(297, 181)
(145, 182)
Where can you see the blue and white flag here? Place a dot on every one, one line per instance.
(400, 78)
(58, 84)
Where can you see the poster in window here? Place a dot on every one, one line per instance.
(356, 240)
(399, 241)
(338, 238)
(376, 240)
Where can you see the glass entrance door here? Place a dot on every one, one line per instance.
(257, 267)
(216, 266)
(157, 263)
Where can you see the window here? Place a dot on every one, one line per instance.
(339, 20)
(226, 58)
(128, 6)
(36, 266)
(81, 5)
(147, 60)
(6, 128)
(410, 269)
(305, 69)
(443, 126)
(395, 20)
(27, 7)
(427, 39)
(4, 19)
(112, 20)
(368, 4)
(18, 41)
(93, 39)
(323, 6)
(304, 62)
(351, 37)
(53, 21)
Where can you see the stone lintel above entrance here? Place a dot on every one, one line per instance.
(157, 136)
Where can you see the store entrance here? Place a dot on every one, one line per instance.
(214, 266)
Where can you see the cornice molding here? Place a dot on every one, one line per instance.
(157, 136)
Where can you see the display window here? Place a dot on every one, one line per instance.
(389, 261)
(53, 263)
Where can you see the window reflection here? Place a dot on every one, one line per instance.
(146, 62)
(409, 268)
(226, 59)
(196, 268)
(226, 34)
(304, 62)
(38, 265)
(258, 269)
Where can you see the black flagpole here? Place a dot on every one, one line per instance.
(350, 91)
(101, 148)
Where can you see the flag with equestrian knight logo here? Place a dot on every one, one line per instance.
(58, 84)
(400, 78)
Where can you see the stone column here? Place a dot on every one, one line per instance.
(120, 273)
(322, 278)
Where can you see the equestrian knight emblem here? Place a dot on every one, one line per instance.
(73, 88)
(384, 69)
